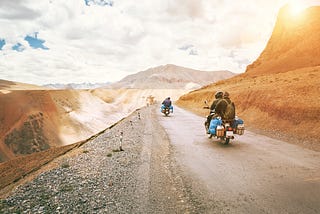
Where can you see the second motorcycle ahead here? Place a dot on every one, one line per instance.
(167, 107)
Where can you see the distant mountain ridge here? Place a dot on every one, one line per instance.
(171, 77)
(10, 85)
(85, 85)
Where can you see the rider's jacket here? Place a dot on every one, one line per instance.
(166, 103)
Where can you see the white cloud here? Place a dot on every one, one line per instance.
(105, 43)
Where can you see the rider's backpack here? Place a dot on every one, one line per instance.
(230, 112)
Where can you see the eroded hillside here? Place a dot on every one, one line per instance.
(29, 123)
(36, 120)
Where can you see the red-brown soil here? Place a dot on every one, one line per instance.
(29, 123)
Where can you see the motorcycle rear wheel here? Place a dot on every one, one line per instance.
(227, 141)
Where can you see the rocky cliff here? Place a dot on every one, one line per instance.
(294, 43)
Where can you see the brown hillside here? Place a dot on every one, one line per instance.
(295, 43)
(279, 93)
(284, 105)
(29, 123)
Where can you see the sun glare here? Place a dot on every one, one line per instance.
(296, 7)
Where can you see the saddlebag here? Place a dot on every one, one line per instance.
(239, 126)
(220, 131)
(240, 129)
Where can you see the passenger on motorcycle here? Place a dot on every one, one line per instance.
(226, 108)
(167, 103)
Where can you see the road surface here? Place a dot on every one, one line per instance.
(253, 174)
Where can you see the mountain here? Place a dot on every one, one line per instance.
(171, 77)
(6, 85)
(85, 85)
(278, 95)
(294, 43)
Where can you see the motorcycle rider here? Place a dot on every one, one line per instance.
(167, 104)
(221, 108)
(218, 95)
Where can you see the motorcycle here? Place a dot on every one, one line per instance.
(165, 111)
(222, 129)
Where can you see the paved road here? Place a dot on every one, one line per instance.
(253, 174)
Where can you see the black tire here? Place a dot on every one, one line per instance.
(206, 127)
(227, 141)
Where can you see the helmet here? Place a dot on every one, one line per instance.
(218, 94)
(226, 94)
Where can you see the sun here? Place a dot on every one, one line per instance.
(296, 7)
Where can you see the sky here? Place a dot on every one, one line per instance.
(76, 41)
